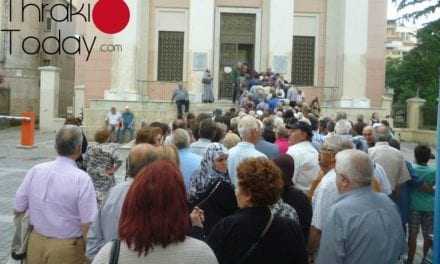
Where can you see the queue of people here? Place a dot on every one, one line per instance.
(282, 186)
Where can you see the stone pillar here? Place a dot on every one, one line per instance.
(123, 84)
(143, 25)
(79, 101)
(347, 43)
(413, 106)
(201, 43)
(49, 94)
(281, 14)
(387, 103)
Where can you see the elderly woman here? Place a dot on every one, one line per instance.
(102, 162)
(253, 234)
(150, 135)
(154, 222)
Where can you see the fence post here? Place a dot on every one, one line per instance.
(414, 106)
(437, 191)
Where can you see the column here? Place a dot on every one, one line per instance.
(413, 106)
(347, 43)
(79, 101)
(123, 84)
(281, 14)
(49, 93)
(142, 47)
(201, 44)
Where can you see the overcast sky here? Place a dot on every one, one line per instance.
(393, 13)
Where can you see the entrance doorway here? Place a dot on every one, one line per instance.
(237, 44)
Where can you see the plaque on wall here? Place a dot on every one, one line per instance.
(280, 64)
(200, 61)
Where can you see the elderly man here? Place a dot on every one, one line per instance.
(390, 159)
(249, 130)
(105, 227)
(189, 162)
(362, 226)
(270, 150)
(326, 193)
(344, 128)
(207, 131)
(61, 203)
(127, 124)
(368, 134)
(304, 154)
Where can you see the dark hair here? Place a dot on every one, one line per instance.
(155, 210)
(102, 136)
(148, 135)
(314, 121)
(179, 123)
(422, 154)
(394, 143)
(269, 135)
(68, 138)
(261, 179)
(287, 166)
(219, 133)
(385, 123)
(207, 129)
(331, 126)
(164, 127)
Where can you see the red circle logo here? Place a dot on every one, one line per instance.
(111, 16)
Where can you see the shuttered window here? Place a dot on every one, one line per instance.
(303, 62)
(171, 51)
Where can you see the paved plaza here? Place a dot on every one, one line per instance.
(14, 163)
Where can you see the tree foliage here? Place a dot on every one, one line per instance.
(418, 70)
(430, 9)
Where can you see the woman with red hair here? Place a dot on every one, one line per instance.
(154, 222)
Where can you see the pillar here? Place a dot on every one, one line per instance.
(123, 83)
(49, 94)
(347, 43)
(413, 106)
(281, 14)
(79, 101)
(201, 43)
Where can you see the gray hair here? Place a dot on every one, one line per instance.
(181, 138)
(343, 127)
(337, 143)
(382, 134)
(67, 140)
(355, 165)
(246, 125)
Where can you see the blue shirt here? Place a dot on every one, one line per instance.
(127, 119)
(237, 154)
(317, 140)
(362, 227)
(270, 150)
(189, 163)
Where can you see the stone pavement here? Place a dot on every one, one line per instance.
(15, 162)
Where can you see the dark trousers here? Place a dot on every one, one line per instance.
(235, 91)
(180, 105)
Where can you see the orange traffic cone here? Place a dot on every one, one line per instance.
(27, 131)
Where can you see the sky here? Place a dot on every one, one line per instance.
(393, 13)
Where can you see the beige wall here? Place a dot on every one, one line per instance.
(239, 3)
(419, 136)
(377, 25)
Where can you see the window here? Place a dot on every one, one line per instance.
(48, 24)
(170, 59)
(303, 62)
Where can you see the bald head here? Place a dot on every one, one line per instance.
(140, 156)
(354, 169)
(368, 133)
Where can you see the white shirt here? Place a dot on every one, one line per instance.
(324, 197)
(381, 176)
(237, 154)
(306, 164)
(113, 119)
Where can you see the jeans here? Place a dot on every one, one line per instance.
(122, 134)
(180, 105)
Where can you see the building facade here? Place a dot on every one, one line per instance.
(20, 90)
(400, 39)
(333, 49)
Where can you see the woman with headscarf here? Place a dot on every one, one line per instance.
(207, 95)
(293, 196)
(211, 189)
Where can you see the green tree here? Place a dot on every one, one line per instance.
(430, 9)
(417, 72)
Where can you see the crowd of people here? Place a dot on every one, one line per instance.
(277, 184)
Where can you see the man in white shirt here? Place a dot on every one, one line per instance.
(326, 193)
(304, 155)
(113, 121)
(249, 130)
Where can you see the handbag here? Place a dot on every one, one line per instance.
(114, 253)
(254, 246)
(20, 240)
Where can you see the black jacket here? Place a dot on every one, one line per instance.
(299, 201)
(233, 236)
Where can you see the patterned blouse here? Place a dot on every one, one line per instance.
(102, 159)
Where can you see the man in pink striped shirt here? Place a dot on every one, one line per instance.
(61, 202)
